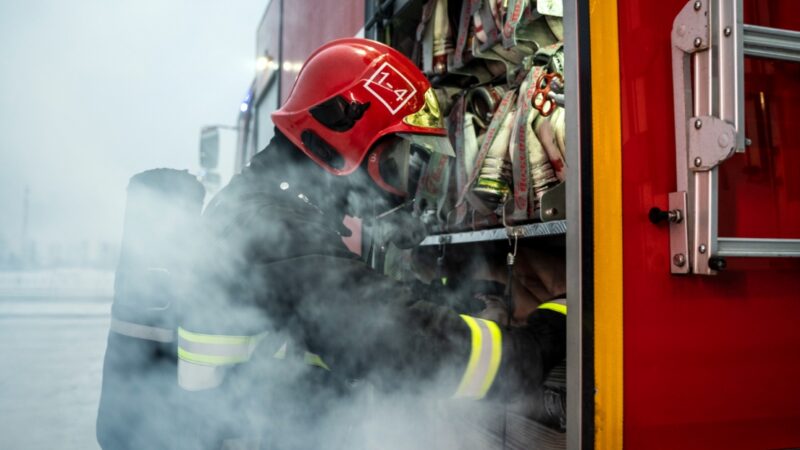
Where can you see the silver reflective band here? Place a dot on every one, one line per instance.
(138, 331)
(484, 359)
(215, 349)
(199, 377)
(203, 359)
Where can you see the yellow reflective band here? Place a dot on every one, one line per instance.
(484, 358)
(557, 307)
(474, 355)
(314, 360)
(429, 115)
(211, 360)
(497, 352)
(214, 338)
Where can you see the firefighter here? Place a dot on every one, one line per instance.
(283, 319)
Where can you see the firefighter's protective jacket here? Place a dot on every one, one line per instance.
(281, 314)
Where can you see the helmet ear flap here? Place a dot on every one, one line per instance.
(338, 114)
(322, 150)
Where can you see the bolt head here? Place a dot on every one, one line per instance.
(698, 124)
(698, 42)
(717, 263)
(551, 212)
(697, 6)
(698, 162)
(702, 248)
(727, 31)
(679, 260)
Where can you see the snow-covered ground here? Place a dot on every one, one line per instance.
(58, 283)
(53, 328)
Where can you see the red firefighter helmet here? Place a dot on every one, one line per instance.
(349, 94)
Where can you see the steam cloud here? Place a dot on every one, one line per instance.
(215, 287)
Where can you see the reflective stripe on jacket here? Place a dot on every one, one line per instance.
(204, 358)
(559, 306)
(138, 331)
(484, 358)
(487, 352)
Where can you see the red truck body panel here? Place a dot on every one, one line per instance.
(709, 361)
(308, 24)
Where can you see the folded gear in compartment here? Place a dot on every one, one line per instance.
(507, 123)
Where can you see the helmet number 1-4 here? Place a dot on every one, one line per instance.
(389, 86)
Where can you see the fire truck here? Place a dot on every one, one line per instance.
(677, 206)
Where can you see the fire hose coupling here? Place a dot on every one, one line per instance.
(494, 180)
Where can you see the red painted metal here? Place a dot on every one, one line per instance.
(307, 24)
(709, 362)
(267, 38)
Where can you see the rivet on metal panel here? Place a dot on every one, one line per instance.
(697, 6)
(679, 260)
(698, 42)
(678, 233)
(727, 31)
(711, 142)
(551, 212)
(724, 140)
(702, 248)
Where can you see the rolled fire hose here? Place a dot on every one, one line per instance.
(547, 136)
(492, 175)
(434, 37)
(533, 173)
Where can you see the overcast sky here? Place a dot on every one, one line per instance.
(94, 91)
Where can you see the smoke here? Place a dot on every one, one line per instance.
(92, 92)
(267, 259)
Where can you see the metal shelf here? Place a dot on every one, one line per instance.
(554, 228)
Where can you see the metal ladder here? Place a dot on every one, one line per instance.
(709, 43)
